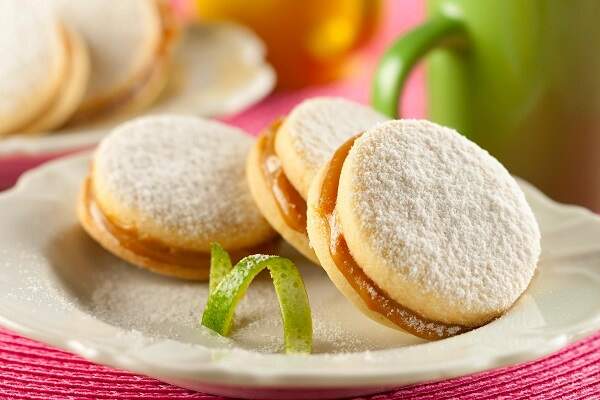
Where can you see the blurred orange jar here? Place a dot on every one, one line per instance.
(308, 41)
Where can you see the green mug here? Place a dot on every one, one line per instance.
(519, 77)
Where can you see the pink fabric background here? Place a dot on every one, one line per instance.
(30, 370)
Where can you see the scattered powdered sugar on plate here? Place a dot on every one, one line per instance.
(158, 307)
(259, 324)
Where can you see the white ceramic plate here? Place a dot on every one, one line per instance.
(59, 287)
(219, 69)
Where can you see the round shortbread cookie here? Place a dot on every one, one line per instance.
(123, 38)
(162, 188)
(314, 130)
(433, 221)
(33, 62)
(72, 89)
(181, 181)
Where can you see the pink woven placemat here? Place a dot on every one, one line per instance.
(31, 370)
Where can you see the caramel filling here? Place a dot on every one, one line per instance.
(105, 106)
(373, 296)
(153, 249)
(289, 202)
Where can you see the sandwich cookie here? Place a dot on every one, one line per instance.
(72, 88)
(130, 46)
(33, 62)
(161, 189)
(289, 153)
(422, 230)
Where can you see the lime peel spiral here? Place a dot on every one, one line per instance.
(228, 285)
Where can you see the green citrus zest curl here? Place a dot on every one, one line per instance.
(227, 285)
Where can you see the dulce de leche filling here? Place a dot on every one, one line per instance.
(289, 202)
(153, 249)
(372, 295)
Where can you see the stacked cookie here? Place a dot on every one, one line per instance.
(416, 225)
(72, 62)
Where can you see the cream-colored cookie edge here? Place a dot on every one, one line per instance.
(37, 103)
(297, 171)
(318, 232)
(263, 197)
(111, 245)
(72, 89)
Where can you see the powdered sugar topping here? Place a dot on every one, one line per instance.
(30, 48)
(118, 53)
(444, 214)
(320, 125)
(183, 174)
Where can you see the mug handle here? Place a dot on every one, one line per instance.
(399, 59)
